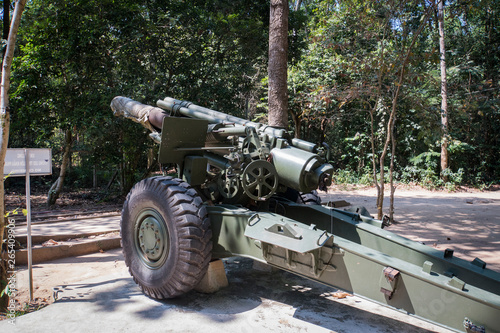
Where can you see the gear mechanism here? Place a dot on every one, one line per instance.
(260, 180)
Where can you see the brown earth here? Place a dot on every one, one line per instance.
(466, 221)
(84, 200)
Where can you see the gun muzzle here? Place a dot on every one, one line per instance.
(148, 116)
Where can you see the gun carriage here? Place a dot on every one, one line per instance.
(248, 189)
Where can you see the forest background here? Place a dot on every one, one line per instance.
(348, 60)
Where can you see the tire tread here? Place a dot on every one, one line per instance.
(192, 227)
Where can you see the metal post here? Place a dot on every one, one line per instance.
(28, 220)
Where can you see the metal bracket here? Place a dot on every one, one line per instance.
(318, 266)
(391, 274)
(284, 230)
(266, 248)
(289, 259)
(287, 234)
(388, 281)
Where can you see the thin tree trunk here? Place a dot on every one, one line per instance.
(392, 119)
(323, 125)
(444, 92)
(277, 67)
(94, 177)
(122, 175)
(372, 130)
(374, 157)
(297, 5)
(297, 122)
(111, 180)
(391, 173)
(5, 123)
(372, 119)
(56, 188)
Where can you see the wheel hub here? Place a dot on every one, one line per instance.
(151, 238)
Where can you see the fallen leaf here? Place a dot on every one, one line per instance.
(340, 295)
(50, 242)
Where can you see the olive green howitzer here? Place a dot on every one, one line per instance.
(248, 189)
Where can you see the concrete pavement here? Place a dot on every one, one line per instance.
(74, 227)
(68, 238)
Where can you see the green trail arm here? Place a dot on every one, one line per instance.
(339, 249)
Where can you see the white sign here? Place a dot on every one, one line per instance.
(40, 162)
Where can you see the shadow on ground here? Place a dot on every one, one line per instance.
(255, 300)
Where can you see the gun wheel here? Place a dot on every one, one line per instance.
(166, 236)
(260, 180)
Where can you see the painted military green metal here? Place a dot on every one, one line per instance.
(181, 137)
(342, 251)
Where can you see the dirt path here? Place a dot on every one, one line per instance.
(467, 222)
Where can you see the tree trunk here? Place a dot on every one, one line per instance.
(94, 177)
(56, 188)
(374, 156)
(297, 122)
(6, 19)
(391, 174)
(390, 124)
(372, 111)
(277, 67)
(322, 135)
(111, 180)
(297, 5)
(444, 92)
(5, 125)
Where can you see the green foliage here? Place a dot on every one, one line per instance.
(6, 290)
(75, 57)
(361, 177)
(422, 170)
(344, 59)
(345, 176)
(348, 74)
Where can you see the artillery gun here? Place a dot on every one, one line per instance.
(248, 189)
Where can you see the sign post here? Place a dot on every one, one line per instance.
(39, 162)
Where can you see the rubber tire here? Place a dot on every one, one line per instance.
(311, 198)
(186, 254)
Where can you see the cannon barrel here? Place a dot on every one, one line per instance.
(148, 116)
(188, 109)
(191, 110)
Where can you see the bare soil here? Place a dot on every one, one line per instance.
(83, 200)
(466, 221)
